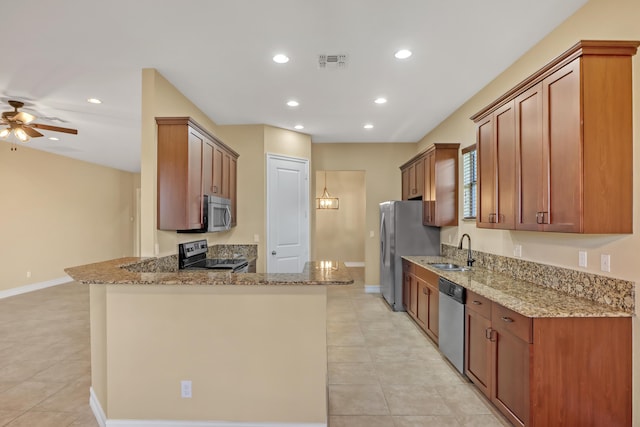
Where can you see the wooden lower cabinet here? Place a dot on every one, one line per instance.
(421, 297)
(542, 372)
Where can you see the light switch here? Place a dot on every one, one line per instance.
(517, 251)
(371, 233)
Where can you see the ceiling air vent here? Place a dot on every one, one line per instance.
(332, 61)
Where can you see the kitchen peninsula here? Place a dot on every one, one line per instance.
(252, 346)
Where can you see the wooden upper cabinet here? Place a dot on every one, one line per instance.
(496, 163)
(440, 207)
(233, 193)
(573, 145)
(187, 170)
(413, 179)
(529, 159)
(436, 170)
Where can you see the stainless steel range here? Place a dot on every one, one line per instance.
(193, 256)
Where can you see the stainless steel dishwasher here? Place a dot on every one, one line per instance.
(451, 322)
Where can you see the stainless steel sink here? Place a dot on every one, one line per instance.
(449, 267)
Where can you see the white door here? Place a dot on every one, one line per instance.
(287, 214)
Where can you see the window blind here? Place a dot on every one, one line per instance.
(469, 164)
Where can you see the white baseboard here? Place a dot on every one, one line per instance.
(104, 422)
(34, 287)
(371, 289)
(354, 263)
(96, 407)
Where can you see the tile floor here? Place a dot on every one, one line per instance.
(45, 362)
(383, 371)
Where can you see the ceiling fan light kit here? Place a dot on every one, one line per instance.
(19, 127)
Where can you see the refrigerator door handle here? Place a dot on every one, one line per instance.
(383, 237)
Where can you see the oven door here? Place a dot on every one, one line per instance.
(219, 214)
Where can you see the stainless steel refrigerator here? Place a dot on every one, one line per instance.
(402, 234)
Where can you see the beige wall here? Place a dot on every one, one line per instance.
(161, 99)
(340, 233)
(381, 163)
(253, 353)
(598, 19)
(58, 212)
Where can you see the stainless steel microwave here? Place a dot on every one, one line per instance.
(219, 214)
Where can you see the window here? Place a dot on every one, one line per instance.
(469, 165)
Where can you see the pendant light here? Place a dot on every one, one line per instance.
(326, 201)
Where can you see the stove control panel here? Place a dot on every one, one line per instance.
(191, 249)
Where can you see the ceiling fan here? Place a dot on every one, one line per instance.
(20, 127)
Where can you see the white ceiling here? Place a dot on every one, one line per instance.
(218, 53)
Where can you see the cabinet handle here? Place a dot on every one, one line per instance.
(492, 218)
(488, 334)
(476, 302)
(507, 319)
(215, 189)
(540, 217)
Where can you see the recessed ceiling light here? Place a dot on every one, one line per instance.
(53, 138)
(403, 54)
(281, 59)
(94, 101)
(368, 126)
(293, 103)
(299, 127)
(380, 100)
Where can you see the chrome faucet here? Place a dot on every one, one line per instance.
(470, 260)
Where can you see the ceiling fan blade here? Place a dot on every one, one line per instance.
(31, 132)
(54, 128)
(24, 117)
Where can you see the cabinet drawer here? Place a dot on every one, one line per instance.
(427, 275)
(408, 266)
(479, 304)
(504, 319)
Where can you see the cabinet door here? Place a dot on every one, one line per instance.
(419, 184)
(505, 157)
(413, 295)
(510, 375)
(412, 181)
(207, 167)
(406, 290)
(433, 311)
(562, 150)
(510, 370)
(486, 174)
(429, 192)
(530, 166)
(194, 190)
(217, 171)
(226, 169)
(477, 364)
(422, 313)
(405, 184)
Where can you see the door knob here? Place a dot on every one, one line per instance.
(273, 252)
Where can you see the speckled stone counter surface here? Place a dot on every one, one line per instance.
(523, 297)
(140, 271)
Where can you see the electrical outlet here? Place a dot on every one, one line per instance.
(185, 389)
(605, 262)
(371, 233)
(517, 251)
(582, 259)
(157, 248)
(28, 274)
(450, 238)
(256, 238)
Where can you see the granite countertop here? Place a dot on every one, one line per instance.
(523, 297)
(120, 271)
